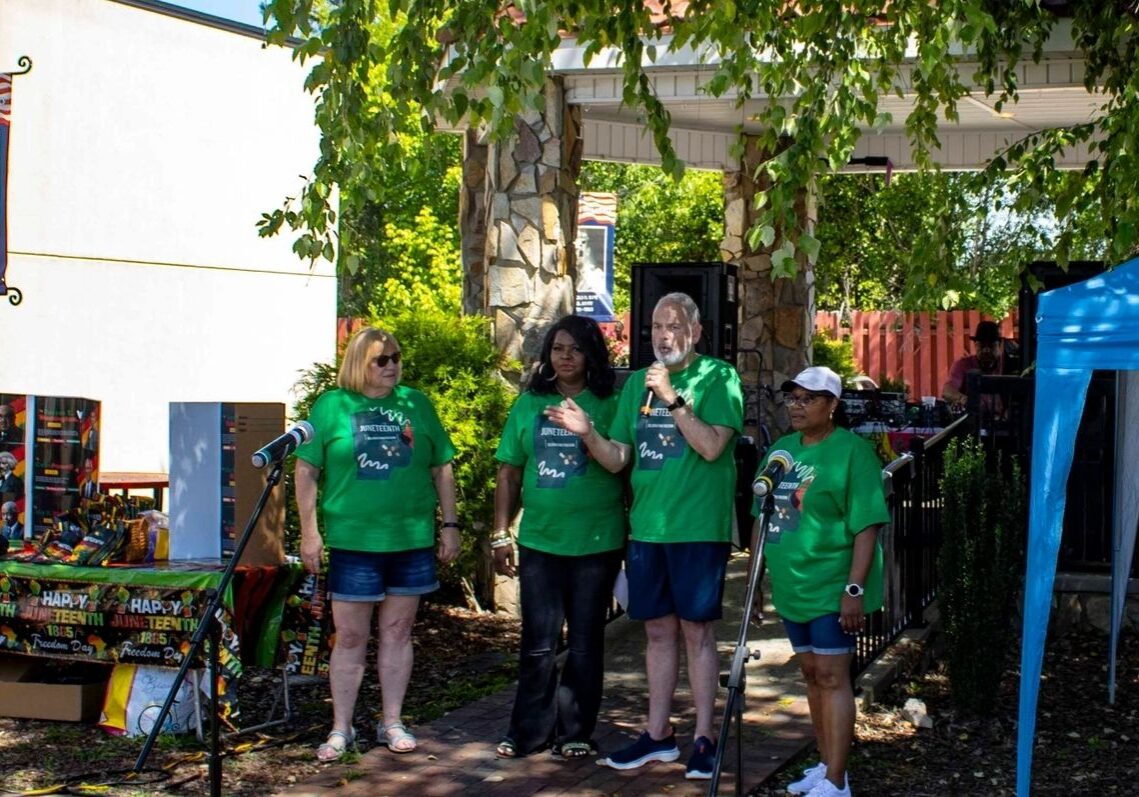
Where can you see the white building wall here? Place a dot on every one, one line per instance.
(144, 148)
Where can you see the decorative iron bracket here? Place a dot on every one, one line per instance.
(15, 296)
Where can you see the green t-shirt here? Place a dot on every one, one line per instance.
(833, 492)
(571, 505)
(678, 496)
(375, 457)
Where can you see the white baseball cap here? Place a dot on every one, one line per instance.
(818, 378)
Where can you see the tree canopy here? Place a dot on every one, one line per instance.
(390, 68)
(875, 237)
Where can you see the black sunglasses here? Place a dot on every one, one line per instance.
(384, 359)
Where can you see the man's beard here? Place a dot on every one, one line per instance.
(675, 357)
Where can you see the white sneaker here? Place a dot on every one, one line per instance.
(825, 788)
(810, 779)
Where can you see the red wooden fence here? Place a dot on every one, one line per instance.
(915, 348)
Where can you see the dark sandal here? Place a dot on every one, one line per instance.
(506, 749)
(570, 750)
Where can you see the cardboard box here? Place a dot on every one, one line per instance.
(24, 694)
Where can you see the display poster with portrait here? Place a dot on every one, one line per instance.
(65, 457)
(13, 465)
(596, 233)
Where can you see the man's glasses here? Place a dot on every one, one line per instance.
(384, 359)
(801, 401)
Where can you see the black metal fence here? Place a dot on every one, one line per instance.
(910, 544)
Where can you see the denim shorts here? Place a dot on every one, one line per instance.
(368, 577)
(681, 578)
(823, 635)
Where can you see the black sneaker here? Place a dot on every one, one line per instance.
(642, 751)
(702, 761)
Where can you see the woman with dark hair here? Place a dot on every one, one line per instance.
(825, 562)
(570, 540)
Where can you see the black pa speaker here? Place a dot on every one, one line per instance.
(1046, 275)
(713, 286)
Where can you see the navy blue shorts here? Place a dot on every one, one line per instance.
(369, 577)
(823, 635)
(681, 578)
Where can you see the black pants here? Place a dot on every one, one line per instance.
(556, 589)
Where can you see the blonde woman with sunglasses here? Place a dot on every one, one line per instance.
(382, 463)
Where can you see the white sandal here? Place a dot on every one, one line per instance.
(398, 742)
(336, 745)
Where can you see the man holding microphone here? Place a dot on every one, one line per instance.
(675, 423)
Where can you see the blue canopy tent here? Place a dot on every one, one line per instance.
(1090, 325)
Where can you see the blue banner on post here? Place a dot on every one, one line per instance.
(596, 225)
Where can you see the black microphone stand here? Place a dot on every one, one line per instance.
(733, 705)
(209, 625)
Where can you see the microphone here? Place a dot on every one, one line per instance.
(284, 445)
(647, 404)
(777, 464)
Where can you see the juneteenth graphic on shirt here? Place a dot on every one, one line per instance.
(789, 501)
(559, 454)
(383, 439)
(658, 439)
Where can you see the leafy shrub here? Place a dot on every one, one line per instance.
(888, 385)
(838, 355)
(454, 362)
(978, 566)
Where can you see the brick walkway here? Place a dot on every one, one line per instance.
(456, 751)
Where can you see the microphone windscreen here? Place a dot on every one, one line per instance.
(306, 431)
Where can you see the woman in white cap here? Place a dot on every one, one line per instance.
(824, 560)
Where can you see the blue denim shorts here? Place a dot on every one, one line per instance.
(823, 635)
(681, 578)
(368, 577)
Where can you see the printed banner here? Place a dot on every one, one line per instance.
(60, 611)
(65, 440)
(596, 225)
(48, 610)
(306, 629)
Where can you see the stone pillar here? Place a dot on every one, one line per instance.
(472, 222)
(518, 219)
(776, 317)
(531, 222)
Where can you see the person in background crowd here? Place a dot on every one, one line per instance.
(824, 561)
(382, 462)
(988, 359)
(570, 542)
(12, 528)
(675, 423)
